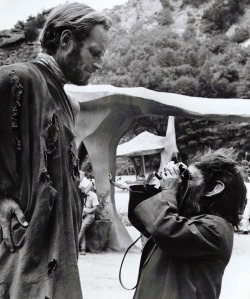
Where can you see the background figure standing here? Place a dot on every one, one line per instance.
(90, 206)
(246, 213)
(140, 179)
(40, 203)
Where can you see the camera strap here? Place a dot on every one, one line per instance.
(184, 196)
(120, 270)
(141, 264)
(148, 257)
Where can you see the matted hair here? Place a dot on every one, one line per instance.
(221, 165)
(79, 18)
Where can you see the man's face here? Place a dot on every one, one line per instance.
(140, 180)
(137, 161)
(83, 61)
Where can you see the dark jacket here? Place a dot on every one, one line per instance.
(184, 258)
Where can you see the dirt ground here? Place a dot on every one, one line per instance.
(100, 272)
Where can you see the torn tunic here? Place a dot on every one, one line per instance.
(39, 169)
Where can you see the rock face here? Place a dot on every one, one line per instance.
(146, 13)
(10, 37)
(132, 12)
(15, 48)
(19, 51)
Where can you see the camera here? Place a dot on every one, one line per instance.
(184, 172)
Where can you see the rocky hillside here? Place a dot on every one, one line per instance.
(20, 43)
(178, 14)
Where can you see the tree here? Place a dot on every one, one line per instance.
(32, 26)
(222, 14)
(159, 59)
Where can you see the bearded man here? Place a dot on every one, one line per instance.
(40, 203)
(190, 222)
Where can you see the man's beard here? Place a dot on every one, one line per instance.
(192, 202)
(71, 70)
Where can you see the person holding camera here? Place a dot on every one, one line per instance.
(190, 220)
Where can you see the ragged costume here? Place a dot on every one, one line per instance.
(39, 170)
(183, 258)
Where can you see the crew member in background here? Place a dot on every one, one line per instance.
(246, 214)
(90, 206)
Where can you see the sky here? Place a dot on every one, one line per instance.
(13, 10)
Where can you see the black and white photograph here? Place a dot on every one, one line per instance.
(125, 149)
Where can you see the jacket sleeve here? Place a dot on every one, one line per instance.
(10, 142)
(181, 237)
(138, 194)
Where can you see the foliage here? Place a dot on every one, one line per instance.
(241, 34)
(124, 166)
(166, 4)
(165, 17)
(32, 26)
(211, 134)
(189, 33)
(222, 14)
(243, 88)
(159, 59)
(195, 3)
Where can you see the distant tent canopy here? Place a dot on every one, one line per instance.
(143, 144)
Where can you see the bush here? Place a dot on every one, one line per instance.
(191, 19)
(169, 57)
(31, 33)
(32, 26)
(241, 34)
(222, 14)
(195, 3)
(165, 3)
(218, 44)
(189, 33)
(165, 17)
(186, 86)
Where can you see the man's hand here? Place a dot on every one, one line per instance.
(89, 210)
(8, 209)
(84, 212)
(171, 178)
